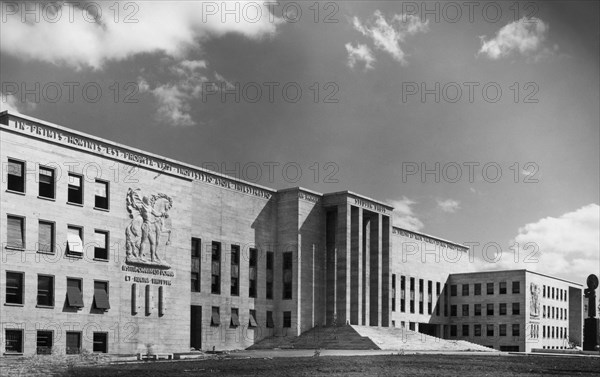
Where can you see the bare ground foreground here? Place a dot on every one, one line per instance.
(383, 365)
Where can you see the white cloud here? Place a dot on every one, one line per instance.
(525, 36)
(11, 103)
(448, 205)
(173, 30)
(567, 245)
(404, 217)
(360, 53)
(388, 36)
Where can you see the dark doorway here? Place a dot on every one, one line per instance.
(196, 327)
(428, 329)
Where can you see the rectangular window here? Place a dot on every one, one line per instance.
(490, 288)
(477, 309)
(101, 194)
(252, 273)
(46, 237)
(235, 318)
(544, 291)
(270, 264)
(465, 330)
(453, 310)
(502, 330)
(453, 330)
(287, 275)
(287, 319)
(252, 319)
(215, 287)
(412, 295)
(421, 296)
(75, 189)
(196, 254)
(101, 300)
(502, 287)
(215, 318)
(45, 293)
(477, 330)
(14, 287)
(101, 244)
(465, 310)
(44, 342)
(100, 342)
(15, 232)
(516, 329)
(453, 290)
(502, 309)
(270, 323)
(73, 342)
(516, 287)
(75, 240)
(46, 183)
(16, 176)
(489, 330)
(402, 294)
(74, 293)
(13, 341)
(429, 296)
(393, 292)
(465, 289)
(235, 270)
(477, 289)
(490, 309)
(437, 292)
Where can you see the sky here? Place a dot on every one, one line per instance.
(479, 123)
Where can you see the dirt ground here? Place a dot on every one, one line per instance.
(392, 365)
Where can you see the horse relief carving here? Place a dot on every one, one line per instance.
(149, 221)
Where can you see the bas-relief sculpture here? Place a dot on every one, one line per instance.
(534, 304)
(149, 220)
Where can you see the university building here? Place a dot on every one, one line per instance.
(113, 249)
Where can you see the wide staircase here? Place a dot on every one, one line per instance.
(352, 337)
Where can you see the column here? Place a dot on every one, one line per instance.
(356, 266)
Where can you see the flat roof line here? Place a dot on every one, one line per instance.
(430, 236)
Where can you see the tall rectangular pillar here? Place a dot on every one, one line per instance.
(356, 266)
(385, 271)
(330, 266)
(343, 263)
(366, 271)
(375, 272)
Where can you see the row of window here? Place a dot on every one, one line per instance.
(554, 332)
(502, 309)
(15, 291)
(216, 270)
(234, 318)
(490, 330)
(412, 285)
(554, 293)
(490, 288)
(46, 243)
(552, 312)
(45, 341)
(47, 184)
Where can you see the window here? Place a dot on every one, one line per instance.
(270, 263)
(502, 330)
(252, 319)
(516, 308)
(270, 323)
(287, 275)
(516, 287)
(393, 292)
(429, 296)
(502, 309)
(477, 330)
(101, 194)
(196, 252)
(287, 319)
(465, 289)
(73, 342)
(215, 286)
(45, 294)
(44, 342)
(75, 240)
(100, 342)
(101, 300)
(465, 330)
(74, 293)
(516, 329)
(437, 292)
(46, 237)
(215, 318)
(489, 330)
(235, 270)
(15, 232)
(235, 318)
(16, 176)
(14, 288)
(402, 294)
(477, 289)
(453, 290)
(502, 287)
(161, 301)
(253, 264)
(421, 296)
(412, 295)
(75, 190)
(46, 183)
(465, 310)
(477, 309)
(452, 330)
(490, 309)
(101, 246)
(14, 341)
(544, 291)
(490, 288)
(453, 310)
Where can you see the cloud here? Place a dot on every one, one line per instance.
(11, 103)
(526, 36)
(404, 217)
(78, 41)
(388, 37)
(567, 245)
(360, 53)
(448, 205)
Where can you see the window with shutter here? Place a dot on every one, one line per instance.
(74, 293)
(235, 319)
(15, 232)
(74, 241)
(215, 319)
(46, 237)
(101, 295)
(252, 319)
